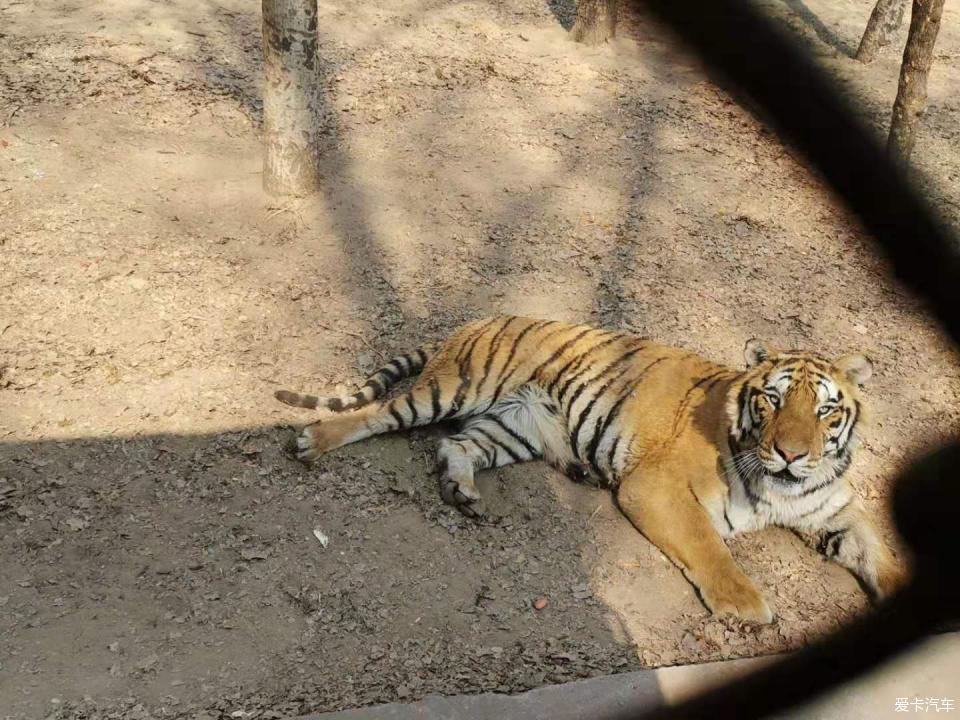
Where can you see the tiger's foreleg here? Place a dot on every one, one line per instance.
(851, 539)
(666, 511)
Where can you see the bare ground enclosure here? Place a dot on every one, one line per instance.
(157, 550)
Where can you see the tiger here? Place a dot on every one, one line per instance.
(694, 451)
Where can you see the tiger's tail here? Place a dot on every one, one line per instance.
(376, 386)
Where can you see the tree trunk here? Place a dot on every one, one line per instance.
(912, 93)
(884, 21)
(596, 21)
(291, 98)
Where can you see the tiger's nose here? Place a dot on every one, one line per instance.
(788, 455)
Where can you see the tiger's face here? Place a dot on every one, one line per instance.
(796, 414)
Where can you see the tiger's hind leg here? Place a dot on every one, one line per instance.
(458, 380)
(523, 426)
(415, 408)
(432, 399)
(336, 431)
(484, 442)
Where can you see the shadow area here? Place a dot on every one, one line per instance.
(210, 572)
(822, 31)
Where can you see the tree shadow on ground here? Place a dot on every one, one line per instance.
(826, 35)
(342, 194)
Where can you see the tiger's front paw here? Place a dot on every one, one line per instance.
(891, 576)
(737, 596)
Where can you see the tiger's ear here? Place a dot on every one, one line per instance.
(856, 368)
(756, 351)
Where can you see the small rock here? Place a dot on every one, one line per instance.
(540, 603)
(582, 592)
(650, 658)
(714, 633)
(75, 524)
(321, 537)
(668, 657)
(689, 644)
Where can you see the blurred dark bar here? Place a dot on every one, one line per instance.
(806, 108)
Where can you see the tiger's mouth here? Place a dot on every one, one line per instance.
(785, 476)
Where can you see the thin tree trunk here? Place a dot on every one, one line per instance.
(917, 59)
(291, 98)
(885, 20)
(596, 21)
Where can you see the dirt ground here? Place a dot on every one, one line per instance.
(157, 548)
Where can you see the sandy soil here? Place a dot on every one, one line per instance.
(157, 551)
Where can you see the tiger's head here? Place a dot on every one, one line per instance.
(796, 413)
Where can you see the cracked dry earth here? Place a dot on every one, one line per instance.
(157, 548)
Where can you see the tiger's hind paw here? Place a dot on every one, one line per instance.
(309, 444)
(466, 499)
(580, 473)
